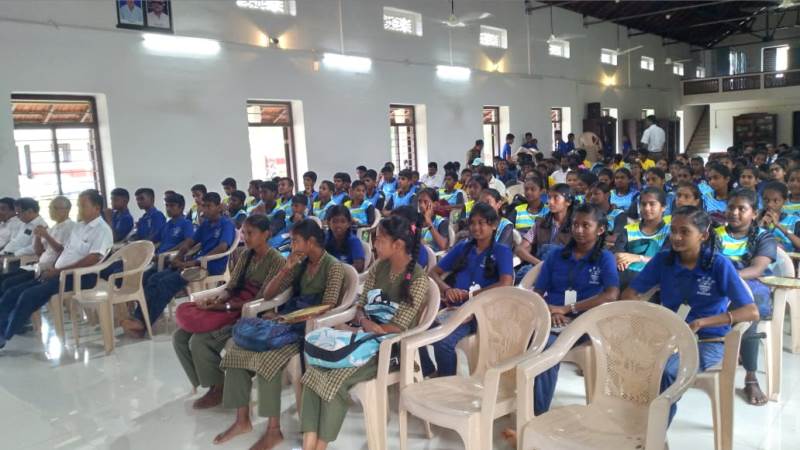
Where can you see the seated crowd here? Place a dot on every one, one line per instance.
(602, 231)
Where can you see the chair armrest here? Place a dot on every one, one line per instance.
(252, 309)
(207, 294)
(331, 319)
(119, 275)
(658, 411)
(162, 259)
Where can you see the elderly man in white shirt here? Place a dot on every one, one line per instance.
(9, 222)
(90, 241)
(432, 179)
(654, 139)
(21, 243)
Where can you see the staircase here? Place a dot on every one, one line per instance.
(701, 138)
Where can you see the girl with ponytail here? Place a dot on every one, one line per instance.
(551, 230)
(693, 273)
(751, 249)
(475, 265)
(396, 279)
(574, 279)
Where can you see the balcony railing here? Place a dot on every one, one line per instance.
(744, 82)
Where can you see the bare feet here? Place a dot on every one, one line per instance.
(510, 436)
(236, 429)
(753, 393)
(268, 440)
(211, 399)
(133, 328)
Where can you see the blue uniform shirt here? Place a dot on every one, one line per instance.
(706, 291)
(209, 235)
(506, 151)
(174, 232)
(339, 198)
(353, 250)
(388, 188)
(121, 223)
(473, 272)
(150, 225)
(587, 278)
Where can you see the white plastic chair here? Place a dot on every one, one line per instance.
(346, 299)
(211, 281)
(794, 316)
(368, 261)
(366, 233)
(373, 394)
(718, 383)
(514, 190)
(632, 342)
(773, 328)
(508, 320)
(431, 259)
(135, 258)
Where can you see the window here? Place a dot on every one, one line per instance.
(271, 132)
(402, 133)
(493, 37)
(677, 69)
(646, 112)
(699, 72)
(737, 62)
(57, 141)
(402, 21)
(775, 59)
(558, 48)
(608, 56)
(282, 7)
(556, 122)
(491, 129)
(648, 63)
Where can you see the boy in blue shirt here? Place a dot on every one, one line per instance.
(236, 208)
(285, 193)
(404, 195)
(373, 194)
(121, 218)
(148, 227)
(178, 228)
(506, 153)
(215, 235)
(309, 180)
(388, 182)
(341, 186)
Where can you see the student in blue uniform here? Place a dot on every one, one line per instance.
(654, 178)
(623, 193)
(750, 178)
(340, 241)
(178, 228)
(309, 180)
(149, 226)
(524, 215)
(282, 241)
(785, 227)
(324, 200)
(644, 238)
(574, 279)
(436, 229)
(693, 273)
(373, 194)
(792, 205)
(454, 197)
(121, 218)
(388, 183)
(403, 195)
(475, 186)
(752, 250)
(285, 193)
(600, 196)
(585, 180)
(236, 210)
(551, 230)
(361, 209)
(215, 235)
(505, 229)
(195, 211)
(268, 206)
(475, 265)
(341, 186)
(719, 178)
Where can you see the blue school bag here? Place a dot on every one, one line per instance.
(337, 349)
(259, 335)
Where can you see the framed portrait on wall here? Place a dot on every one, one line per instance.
(148, 15)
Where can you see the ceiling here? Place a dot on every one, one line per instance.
(699, 23)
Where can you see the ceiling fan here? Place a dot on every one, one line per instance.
(621, 52)
(464, 20)
(561, 37)
(670, 61)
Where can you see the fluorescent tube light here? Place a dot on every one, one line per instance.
(180, 45)
(455, 73)
(347, 63)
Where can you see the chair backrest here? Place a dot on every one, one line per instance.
(317, 220)
(513, 191)
(431, 259)
(632, 341)
(507, 319)
(784, 266)
(136, 255)
(529, 279)
(451, 236)
(376, 220)
(368, 260)
(349, 289)
(516, 238)
(431, 307)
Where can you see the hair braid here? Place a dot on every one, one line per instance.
(415, 247)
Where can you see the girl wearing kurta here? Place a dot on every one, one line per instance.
(397, 277)
(317, 278)
(199, 353)
(751, 249)
(694, 274)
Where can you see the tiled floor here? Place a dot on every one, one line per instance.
(138, 398)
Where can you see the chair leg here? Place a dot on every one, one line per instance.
(717, 414)
(36, 320)
(403, 421)
(589, 373)
(726, 393)
(146, 316)
(774, 362)
(470, 434)
(373, 414)
(56, 308)
(794, 314)
(73, 316)
(107, 325)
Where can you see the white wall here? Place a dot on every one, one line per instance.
(721, 119)
(172, 122)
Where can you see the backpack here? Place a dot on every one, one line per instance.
(379, 309)
(337, 349)
(260, 335)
